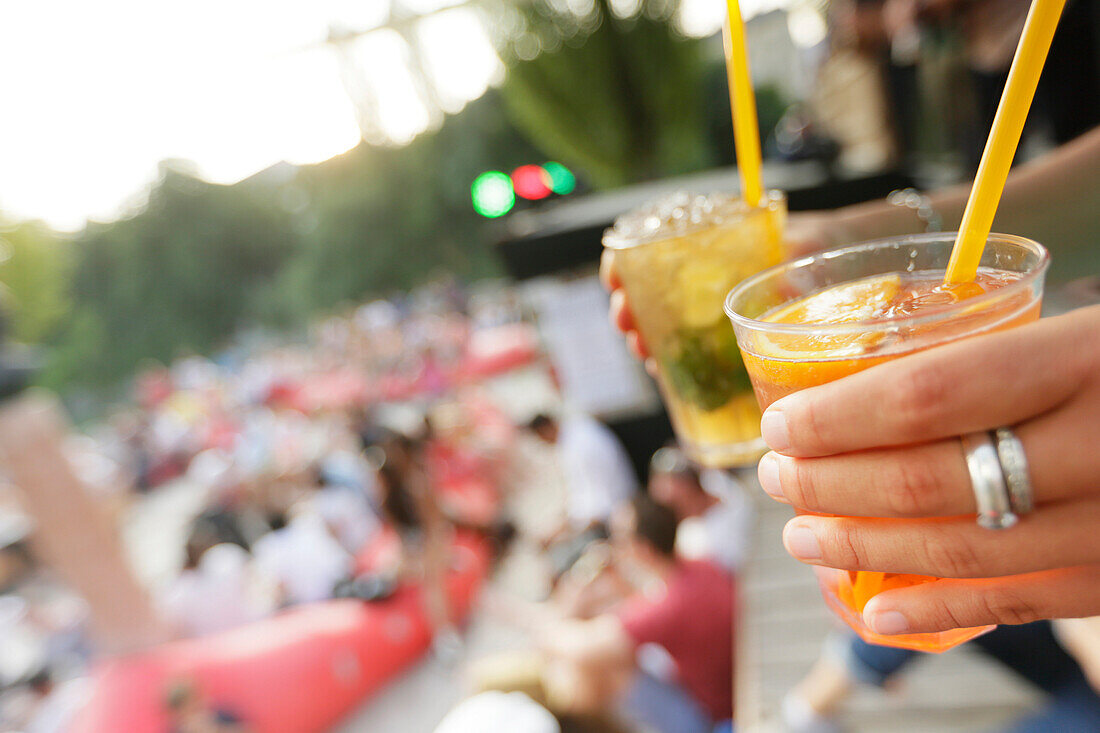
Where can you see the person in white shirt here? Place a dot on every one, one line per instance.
(347, 515)
(598, 472)
(211, 593)
(498, 711)
(302, 558)
(58, 703)
(714, 510)
(341, 484)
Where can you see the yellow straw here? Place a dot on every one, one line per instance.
(1004, 136)
(746, 132)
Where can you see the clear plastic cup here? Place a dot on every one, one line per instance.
(784, 357)
(677, 260)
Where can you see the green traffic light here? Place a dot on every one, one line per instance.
(492, 194)
(562, 180)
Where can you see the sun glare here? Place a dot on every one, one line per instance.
(96, 94)
(459, 55)
(106, 90)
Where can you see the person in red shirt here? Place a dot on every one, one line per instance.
(684, 609)
(690, 617)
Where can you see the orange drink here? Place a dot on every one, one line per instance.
(821, 318)
(677, 259)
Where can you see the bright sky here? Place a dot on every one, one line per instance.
(94, 93)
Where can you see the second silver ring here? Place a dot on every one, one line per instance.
(987, 481)
(1010, 451)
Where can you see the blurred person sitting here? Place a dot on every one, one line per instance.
(683, 607)
(409, 505)
(493, 711)
(516, 712)
(225, 517)
(714, 511)
(232, 512)
(598, 476)
(301, 557)
(1032, 651)
(189, 713)
(593, 585)
(212, 591)
(344, 507)
(55, 704)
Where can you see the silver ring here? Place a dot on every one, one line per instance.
(988, 481)
(1010, 451)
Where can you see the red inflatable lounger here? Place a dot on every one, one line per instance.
(296, 672)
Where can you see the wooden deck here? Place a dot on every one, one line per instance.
(784, 623)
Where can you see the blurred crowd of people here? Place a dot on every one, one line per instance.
(304, 458)
(300, 456)
(914, 84)
(636, 632)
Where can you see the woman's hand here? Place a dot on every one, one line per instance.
(621, 316)
(884, 443)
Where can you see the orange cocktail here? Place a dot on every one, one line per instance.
(824, 317)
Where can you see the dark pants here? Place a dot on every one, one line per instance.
(1029, 650)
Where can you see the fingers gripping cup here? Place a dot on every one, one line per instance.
(820, 318)
(677, 260)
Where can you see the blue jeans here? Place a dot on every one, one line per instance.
(663, 705)
(1029, 650)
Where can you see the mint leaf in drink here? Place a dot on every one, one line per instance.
(704, 365)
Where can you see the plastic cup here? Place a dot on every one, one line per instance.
(677, 260)
(785, 357)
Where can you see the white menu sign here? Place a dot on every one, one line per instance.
(597, 373)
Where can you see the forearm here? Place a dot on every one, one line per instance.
(1054, 199)
(530, 616)
(601, 640)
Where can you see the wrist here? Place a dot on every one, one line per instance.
(876, 220)
(920, 205)
(850, 225)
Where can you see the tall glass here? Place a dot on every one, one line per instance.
(677, 260)
(784, 357)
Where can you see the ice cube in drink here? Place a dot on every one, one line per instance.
(677, 259)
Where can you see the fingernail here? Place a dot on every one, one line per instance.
(887, 623)
(773, 428)
(802, 543)
(767, 471)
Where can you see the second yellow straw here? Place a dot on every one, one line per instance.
(746, 129)
(1004, 137)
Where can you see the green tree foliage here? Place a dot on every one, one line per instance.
(179, 275)
(621, 99)
(35, 268)
(200, 261)
(383, 219)
(618, 99)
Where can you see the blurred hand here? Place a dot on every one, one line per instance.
(621, 316)
(812, 231)
(883, 443)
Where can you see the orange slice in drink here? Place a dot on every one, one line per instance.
(794, 361)
(848, 303)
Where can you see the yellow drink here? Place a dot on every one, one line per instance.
(677, 261)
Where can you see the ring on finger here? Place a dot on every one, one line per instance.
(987, 480)
(1010, 452)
